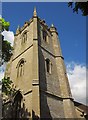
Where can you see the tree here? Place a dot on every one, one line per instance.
(4, 25)
(6, 86)
(6, 49)
(5, 53)
(83, 6)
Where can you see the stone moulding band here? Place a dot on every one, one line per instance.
(39, 46)
(55, 96)
(59, 56)
(55, 56)
(35, 39)
(23, 52)
(30, 91)
(35, 82)
(52, 95)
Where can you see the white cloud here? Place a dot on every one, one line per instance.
(1, 75)
(8, 35)
(2, 70)
(0, 16)
(77, 79)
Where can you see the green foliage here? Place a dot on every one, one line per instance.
(5, 25)
(6, 51)
(6, 88)
(83, 6)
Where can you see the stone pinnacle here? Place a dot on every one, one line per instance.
(34, 13)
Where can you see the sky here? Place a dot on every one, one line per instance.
(71, 28)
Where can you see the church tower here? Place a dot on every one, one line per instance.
(38, 72)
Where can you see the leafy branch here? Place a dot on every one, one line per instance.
(6, 87)
(83, 6)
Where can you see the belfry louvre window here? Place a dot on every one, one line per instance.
(20, 68)
(44, 36)
(48, 66)
(24, 37)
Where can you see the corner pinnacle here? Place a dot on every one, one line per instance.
(18, 27)
(52, 25)
(34, 13)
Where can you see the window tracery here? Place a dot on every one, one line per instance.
(24, 37)
(20, 68)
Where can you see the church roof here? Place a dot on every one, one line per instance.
(82, 107)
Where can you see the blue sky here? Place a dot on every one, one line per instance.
(70, 26)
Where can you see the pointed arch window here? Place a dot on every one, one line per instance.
(20, 67)
(45, 36)
(17, 105)
(48, 66)
(24, 37)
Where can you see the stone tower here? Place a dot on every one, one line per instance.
(38, 72)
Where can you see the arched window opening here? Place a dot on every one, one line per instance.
(20, 68)
(24, 37)
(17, 112)
(48, 66)
(44, 36)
